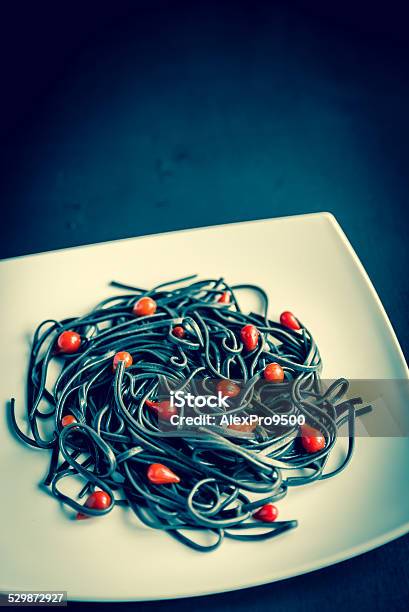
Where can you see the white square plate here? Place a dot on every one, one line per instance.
(306, 265)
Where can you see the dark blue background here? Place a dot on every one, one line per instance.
(127, 118)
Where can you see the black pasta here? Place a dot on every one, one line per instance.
(108, 414)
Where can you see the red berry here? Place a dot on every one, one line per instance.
(312, 439)
(249, 336)
(69, 341)
(267, 513)
(224, 298)
(68, 419)
(273, 372)
(144, 306)
(98, 500)
(163, 409)
(122, 356)
(288, 320)
(160, 474)
(228, 388)
(179, 331)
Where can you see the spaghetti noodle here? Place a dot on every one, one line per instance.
(111, 425)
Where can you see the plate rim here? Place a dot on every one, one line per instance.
(329, 561)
